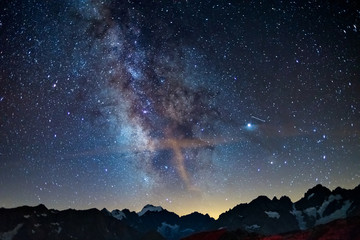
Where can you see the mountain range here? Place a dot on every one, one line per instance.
(314, 215)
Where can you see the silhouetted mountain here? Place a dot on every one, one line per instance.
(318, 206)
(262, 215)
(257, 219)
(40, 223)
(314, 197)
(169, 224)
(202, 222)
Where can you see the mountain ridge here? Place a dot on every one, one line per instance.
(262, 216)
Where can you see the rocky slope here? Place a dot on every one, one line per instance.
(344, 229)
(318, 206)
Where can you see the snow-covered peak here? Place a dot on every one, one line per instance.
(118, 214)
(150, 208)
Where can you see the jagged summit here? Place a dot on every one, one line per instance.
(318, 189)
(260, 199)
(118, 214)
(150, 208)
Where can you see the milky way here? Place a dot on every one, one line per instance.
(192, 105)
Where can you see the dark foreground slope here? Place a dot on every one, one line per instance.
(342, 229)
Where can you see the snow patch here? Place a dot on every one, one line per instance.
(58, 230)
(310, 196)
(11, 234)
(327, 202)
(168, 231)
(118, 214)
(311, 212)
(299, 217)
(26, 216)
(273, 214)
(340, 213)
(44, 214)
(252, 227)
(150, 208)
(187, 231)
(36, 225)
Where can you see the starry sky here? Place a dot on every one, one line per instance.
(191, 105)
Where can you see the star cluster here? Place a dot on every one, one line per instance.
(192, 105)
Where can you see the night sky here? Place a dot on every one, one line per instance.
(191, 105)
